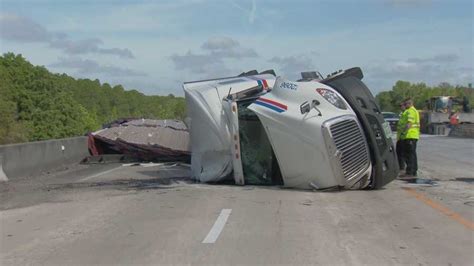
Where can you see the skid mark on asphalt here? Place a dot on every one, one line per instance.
(451, 214)
(217, 227)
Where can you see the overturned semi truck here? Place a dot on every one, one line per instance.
(316, 133)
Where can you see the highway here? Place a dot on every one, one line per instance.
(153, 214)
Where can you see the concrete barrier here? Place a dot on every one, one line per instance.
(33, 158)
(3, 176)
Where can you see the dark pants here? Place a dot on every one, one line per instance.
(400, 154)
(409, 148)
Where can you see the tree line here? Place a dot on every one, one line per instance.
(390, 100)
(36, 104)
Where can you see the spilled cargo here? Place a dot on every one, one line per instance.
(143, 140)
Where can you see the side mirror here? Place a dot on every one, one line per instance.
(305, 108)
(315, 103)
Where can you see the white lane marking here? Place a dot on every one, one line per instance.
(99, 174)
(217, 227)
(130, 164)
(165, 165)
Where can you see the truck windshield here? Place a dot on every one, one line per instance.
(259, 164)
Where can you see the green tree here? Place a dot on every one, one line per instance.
(420, 93)
(36, 104)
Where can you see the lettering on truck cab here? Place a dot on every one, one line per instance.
(289, 86)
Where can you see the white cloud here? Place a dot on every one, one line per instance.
(293, 65)
(441, 58)
(212, 61)
(24, 30)
(225, 47)
(220, 43)
(198, 63)
(431, 70)
(91, 67)
(236, 53)
(86, 46)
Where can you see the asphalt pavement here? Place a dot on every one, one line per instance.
(154, 214)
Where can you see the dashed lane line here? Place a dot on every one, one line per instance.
(217, 227)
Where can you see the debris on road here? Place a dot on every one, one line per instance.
(144, 140)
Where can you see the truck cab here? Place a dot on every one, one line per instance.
(269, 130)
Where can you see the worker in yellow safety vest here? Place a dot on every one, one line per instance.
(402, 122)
(410, 137)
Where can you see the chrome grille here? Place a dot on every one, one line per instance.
(347, 136)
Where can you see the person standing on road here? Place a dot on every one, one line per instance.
(454, 119)
(410, 137)
(402, 122)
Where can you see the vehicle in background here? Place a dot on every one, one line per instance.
(435, 117)
(392, 118)
(317, 133)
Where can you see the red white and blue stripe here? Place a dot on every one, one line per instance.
(273, 105)
(260, 82)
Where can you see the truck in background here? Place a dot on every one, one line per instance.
(436, 116)
(315, 133)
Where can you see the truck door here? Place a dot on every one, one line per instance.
(253, 159)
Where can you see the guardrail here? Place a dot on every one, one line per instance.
(32, 158)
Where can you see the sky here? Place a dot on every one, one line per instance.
(155, 46)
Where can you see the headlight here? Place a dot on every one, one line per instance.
(333, 98)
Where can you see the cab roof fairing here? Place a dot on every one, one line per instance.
(237, 83)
